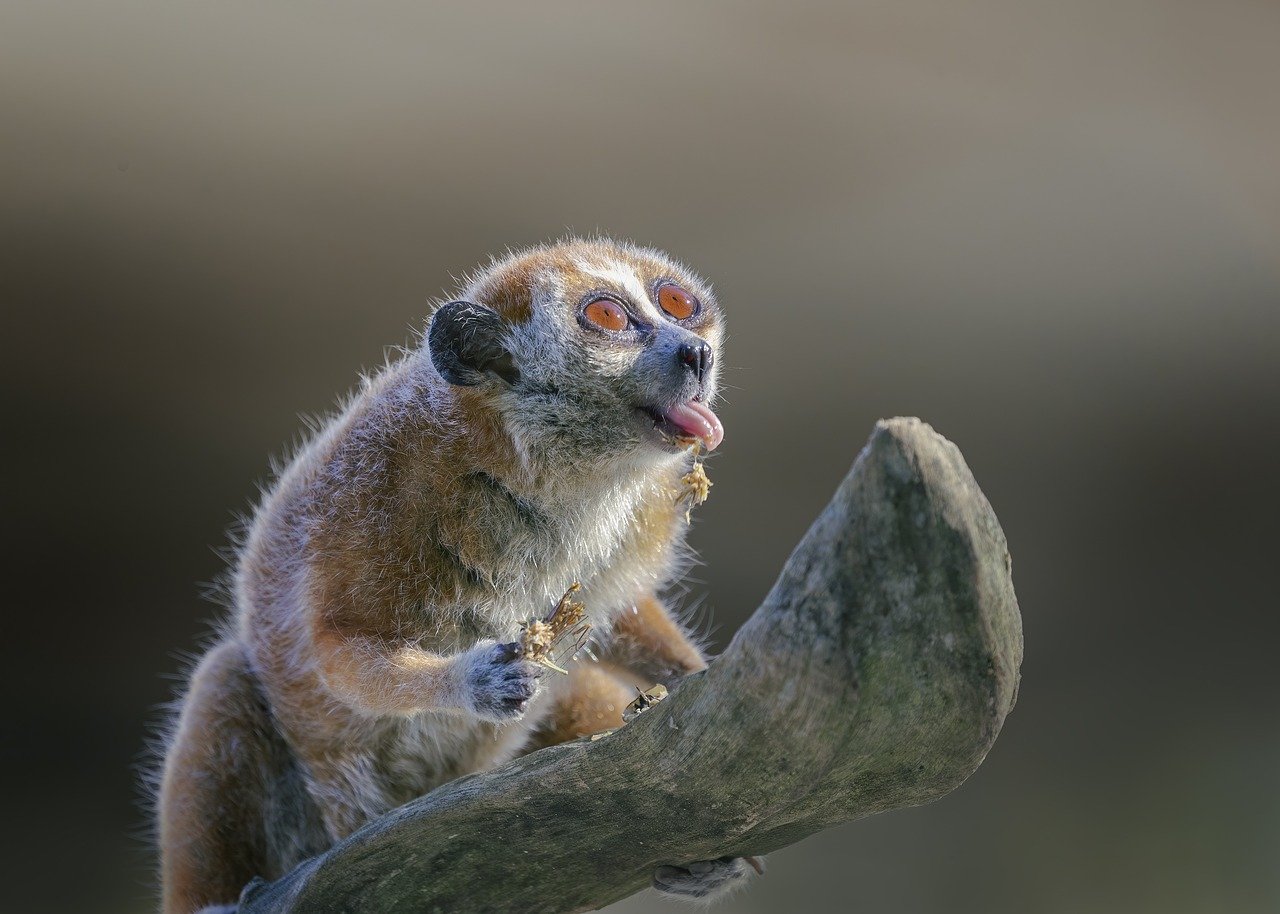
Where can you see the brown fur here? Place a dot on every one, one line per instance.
(413, 530)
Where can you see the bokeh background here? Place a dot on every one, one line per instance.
(1050, 229)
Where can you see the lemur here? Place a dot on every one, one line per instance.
(536, 435)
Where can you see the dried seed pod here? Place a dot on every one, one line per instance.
(540, 639)
(696, 484)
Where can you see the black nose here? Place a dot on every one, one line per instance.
(697, 357)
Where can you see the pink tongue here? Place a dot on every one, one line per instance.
(697, 421)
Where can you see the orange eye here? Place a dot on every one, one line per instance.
(606, 314)
(677, 302)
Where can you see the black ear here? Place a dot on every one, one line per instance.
(466, 343)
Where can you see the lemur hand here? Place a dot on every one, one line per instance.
(706, 880)
(497, 683)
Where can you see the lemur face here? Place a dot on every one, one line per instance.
(590, 348)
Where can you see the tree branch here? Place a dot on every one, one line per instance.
(876, 675)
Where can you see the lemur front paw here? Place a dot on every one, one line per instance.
(499, 684)
(706, 880)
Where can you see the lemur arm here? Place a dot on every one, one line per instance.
(374, 675)
(380, 676)
(648, 642)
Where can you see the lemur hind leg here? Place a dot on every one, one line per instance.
(706, 880)
(647, 645)
(233, 804)
(591, 702)
(648, 642)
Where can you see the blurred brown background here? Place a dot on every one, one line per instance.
(1050, 229)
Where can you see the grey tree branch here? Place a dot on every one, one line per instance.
(876, 675)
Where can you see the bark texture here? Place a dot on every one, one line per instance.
(875, 675)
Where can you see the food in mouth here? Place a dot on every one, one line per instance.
(688, 422)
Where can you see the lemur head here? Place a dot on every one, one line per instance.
(588, 350)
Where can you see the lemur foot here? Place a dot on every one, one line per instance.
(706, 880)
(499, 683)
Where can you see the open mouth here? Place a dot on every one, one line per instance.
(684, 423)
